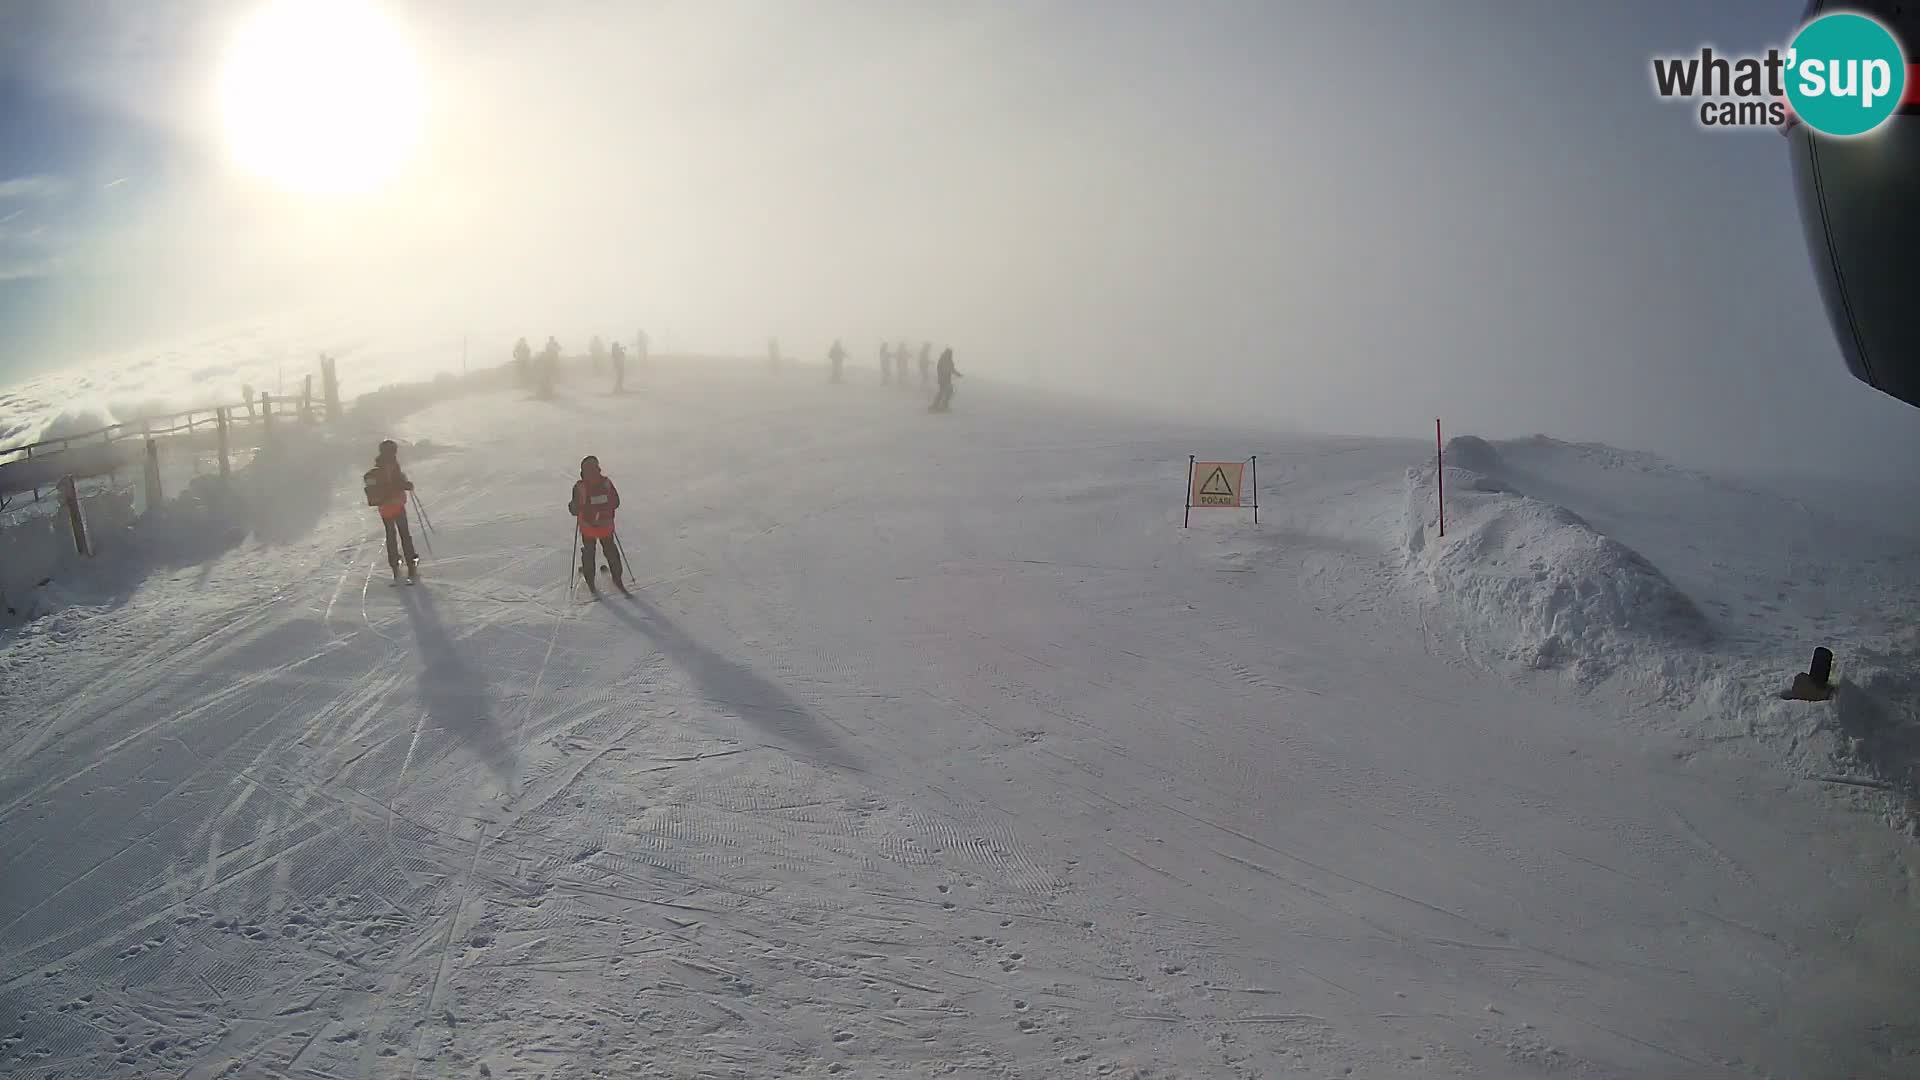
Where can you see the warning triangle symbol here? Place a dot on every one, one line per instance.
(1217, 484)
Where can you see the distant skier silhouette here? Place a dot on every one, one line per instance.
(549, 366)
(522, 360)
(837, 356)
(943, 400)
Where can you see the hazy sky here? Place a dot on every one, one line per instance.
(1356, 215)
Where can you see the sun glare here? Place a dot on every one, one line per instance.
(323, 97)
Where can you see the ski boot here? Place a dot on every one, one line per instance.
(413, 570)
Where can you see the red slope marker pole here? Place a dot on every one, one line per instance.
(1440, 475)
(1187, 496)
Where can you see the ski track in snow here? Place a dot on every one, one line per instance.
(926, 746)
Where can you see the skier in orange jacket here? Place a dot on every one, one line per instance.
(387, 489)
(592, 504)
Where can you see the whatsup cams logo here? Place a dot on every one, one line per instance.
(1843, 74)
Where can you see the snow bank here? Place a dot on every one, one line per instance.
(1534, 583)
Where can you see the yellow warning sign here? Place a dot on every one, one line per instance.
(1217, 483)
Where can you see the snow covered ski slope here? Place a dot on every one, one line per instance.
(925, 748)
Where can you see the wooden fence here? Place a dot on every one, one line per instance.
(39, 468)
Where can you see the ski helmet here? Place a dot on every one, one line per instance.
(589, 461)
(389, 448)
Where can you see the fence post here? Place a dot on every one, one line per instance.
(70, 495)
(330, 387)
(1186, 516)
(266, 411)
(153, 474)
(220, 418)
(306, 401)
(1440, 475)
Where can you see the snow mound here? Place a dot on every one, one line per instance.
(1472, 453)
(1530, 582)
(1534, 584)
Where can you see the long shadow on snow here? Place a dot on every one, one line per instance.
(455, 693)
(735, 687)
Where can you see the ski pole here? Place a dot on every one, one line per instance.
(622, 549)
(573, 580)
(422, 507)
(426, 534)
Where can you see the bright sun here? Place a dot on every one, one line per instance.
(322, 96)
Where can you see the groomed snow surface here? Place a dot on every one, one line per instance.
(934, 746)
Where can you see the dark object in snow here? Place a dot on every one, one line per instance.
(1813, 684)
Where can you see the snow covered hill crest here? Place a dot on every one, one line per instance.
(1543, 587)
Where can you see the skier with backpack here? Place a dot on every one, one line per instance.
(592, 504)
(387, 489)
